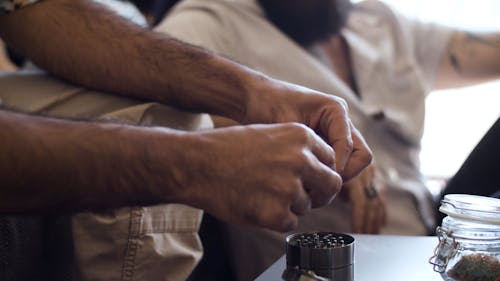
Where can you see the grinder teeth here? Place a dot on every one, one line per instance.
(319, 240)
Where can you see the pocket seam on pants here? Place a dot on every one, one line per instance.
(132, 244)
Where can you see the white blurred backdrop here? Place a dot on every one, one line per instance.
(456, 119)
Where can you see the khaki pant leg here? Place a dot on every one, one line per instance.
(137, 243)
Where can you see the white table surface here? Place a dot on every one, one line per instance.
(382, 258)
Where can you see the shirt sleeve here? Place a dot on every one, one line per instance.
(200, 27)
(7, 6)
(429, 42)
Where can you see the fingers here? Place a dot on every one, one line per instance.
(367, 216)
(316, 182)
(382, 211)
(375, 215)
(351, 151)
(358, 203)
(358, 214)
(281, 214)
(371, 225)
(322, 183)
(302, 203)
(289, 223)
(322, 150)
(360, 157)
(382, 215)
(368, 207)
(283, 221)
(306, 178)
(292, 174)
(339, 134)
(318, 176)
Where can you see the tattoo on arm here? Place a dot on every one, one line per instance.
(454, 62)
(467, 45)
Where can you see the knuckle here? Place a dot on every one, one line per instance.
(330, 161)
(296, 188)
(339, 106)
(365, 158)
(344, 146)
(300, 131)
(292, 191)
(349, 143)
(333, 186)
(296, 126)
(303, 157)
(342, 104)
(307, 162)
(300, 161)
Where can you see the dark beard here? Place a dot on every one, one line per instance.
(154, 8)
(307, 21)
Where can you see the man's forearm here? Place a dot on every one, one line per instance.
(79, 41)
(50, 164)
(471, 58)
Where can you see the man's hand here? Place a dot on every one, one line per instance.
(261, 175)
(220, 87)
(327, 115)
(367, 202)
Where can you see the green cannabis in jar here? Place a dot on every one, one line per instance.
(476, 267)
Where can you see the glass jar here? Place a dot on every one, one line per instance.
(469, 239)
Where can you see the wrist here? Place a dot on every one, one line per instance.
(261, 105)
(231, 88)
(160, 166)
(242, 94)
(179, 165)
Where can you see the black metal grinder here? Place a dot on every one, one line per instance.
(319, 256)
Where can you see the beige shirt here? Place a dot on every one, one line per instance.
(394, 71)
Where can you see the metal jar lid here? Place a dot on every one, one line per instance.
(471, 207)
(319, 250)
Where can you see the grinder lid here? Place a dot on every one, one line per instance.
(319, 250)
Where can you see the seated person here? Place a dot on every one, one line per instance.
(382, 63)
(165, 83)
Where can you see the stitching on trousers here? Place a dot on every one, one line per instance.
(132, 244)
